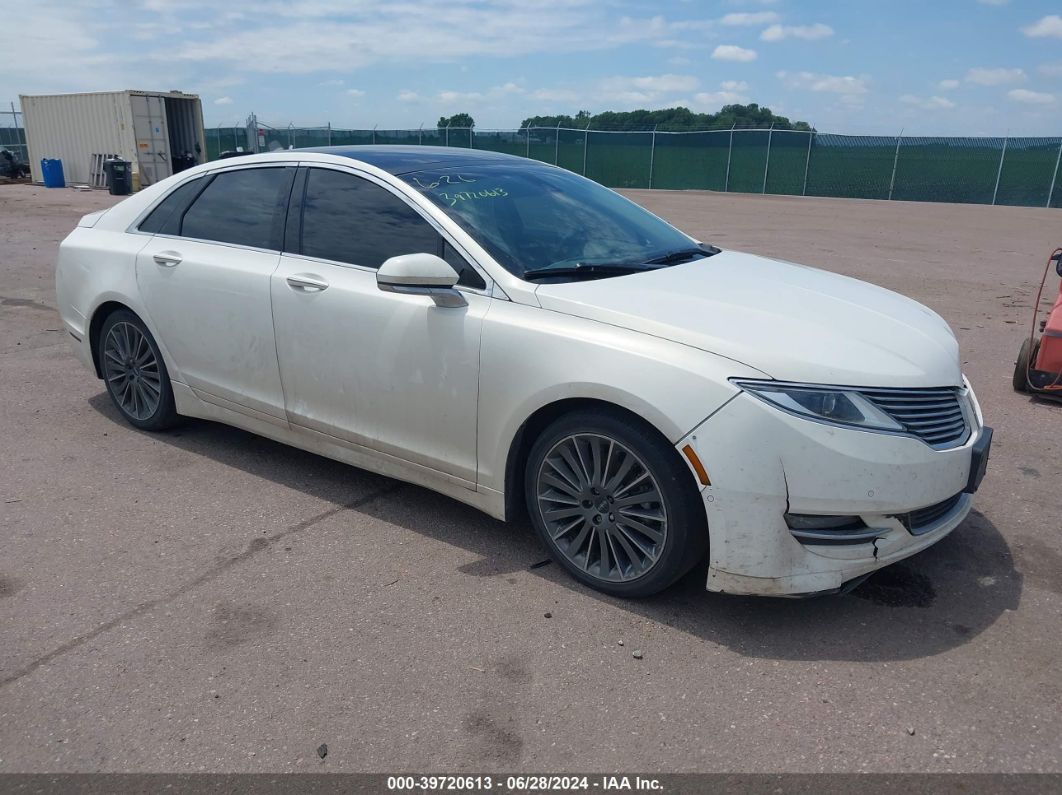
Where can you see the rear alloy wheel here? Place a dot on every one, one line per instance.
(135, 374)
(615, 504)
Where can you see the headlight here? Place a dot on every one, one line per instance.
(823, 403)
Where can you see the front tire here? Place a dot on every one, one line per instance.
(135, 374)
(614, 503)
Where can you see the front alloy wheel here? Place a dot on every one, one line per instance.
(602, 507)
(614, 503)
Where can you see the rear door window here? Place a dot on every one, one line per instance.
(166, 217)
(244, 207)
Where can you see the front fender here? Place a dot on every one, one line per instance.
(533, 357)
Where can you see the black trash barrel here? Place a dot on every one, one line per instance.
(119, 176)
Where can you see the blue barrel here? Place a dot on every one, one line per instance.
(52, 171)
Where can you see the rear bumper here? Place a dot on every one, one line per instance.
(764, 463)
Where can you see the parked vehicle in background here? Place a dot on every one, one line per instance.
(520, 338)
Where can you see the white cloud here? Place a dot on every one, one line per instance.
(833, 84)
(734, 85)
(647, 90)
(806, 32)
(355, 93)
(332, 82)
(1050, 69)
(930, 103)
(408, 96)
(1031, 97)
(750, 18)
(556, 95)
(1048, 26)
(731, 52)
(223, 101)
(660, 82)
(994, 77)
(948, 85)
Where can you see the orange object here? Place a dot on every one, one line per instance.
(698, 467)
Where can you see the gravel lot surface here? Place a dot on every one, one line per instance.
(206, 600)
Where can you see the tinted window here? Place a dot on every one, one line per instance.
(467, 275)
(242, 207)
(349, 219)
(166, 217)
(531, 217)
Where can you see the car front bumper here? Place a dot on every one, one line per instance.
(764, 463)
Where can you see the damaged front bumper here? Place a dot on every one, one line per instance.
(771, 472)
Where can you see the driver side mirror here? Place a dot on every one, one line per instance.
(421, 274)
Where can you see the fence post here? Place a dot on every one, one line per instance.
(999, 172)
(374, 134)
(527, 141)
(556, 145)
(767, 165)
(729, 154)
(447, 132)
(895, 160)
(586, 145)
(1054, 175)
(420, 135)
(807, 164)
(652, 157)
(471, 143)
(329, 133)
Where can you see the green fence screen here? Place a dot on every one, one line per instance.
(1014, 171)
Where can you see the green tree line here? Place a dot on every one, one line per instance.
(677, 119)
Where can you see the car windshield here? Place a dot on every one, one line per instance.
(548, 224)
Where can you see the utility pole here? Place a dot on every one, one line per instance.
(729, 154)
(767, 165)
(807, 163)
(652, 157)
(895, 161)
(999, 171)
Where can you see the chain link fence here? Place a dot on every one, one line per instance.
(1011, 171)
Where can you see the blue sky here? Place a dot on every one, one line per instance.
(976, 67)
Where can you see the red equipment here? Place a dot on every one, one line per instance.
(1039, 366)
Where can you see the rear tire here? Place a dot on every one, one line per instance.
(135, 374)
(614, 503)
(1021, 367)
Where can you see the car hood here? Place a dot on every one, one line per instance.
(790, 321)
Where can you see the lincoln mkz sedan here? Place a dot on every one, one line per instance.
(526, 341)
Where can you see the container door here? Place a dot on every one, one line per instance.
(152, 138)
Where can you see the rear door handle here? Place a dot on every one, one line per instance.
(167, 259)
(307, 283)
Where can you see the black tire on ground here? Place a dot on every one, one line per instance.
(599, 442)
(135, 374)
(1021, 367)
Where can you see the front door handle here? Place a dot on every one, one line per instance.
(167, 259)
(307, 283)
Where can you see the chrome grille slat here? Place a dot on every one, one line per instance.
(933, 415)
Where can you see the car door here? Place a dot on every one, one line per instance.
(393, 372)
(204, 279)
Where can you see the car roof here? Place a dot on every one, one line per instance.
(400, 160)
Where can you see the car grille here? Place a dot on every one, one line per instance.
(923, 519)
(933, 415)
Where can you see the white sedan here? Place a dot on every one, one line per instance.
(526, 341)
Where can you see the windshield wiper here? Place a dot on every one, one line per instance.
(589, 269)
(682, 254)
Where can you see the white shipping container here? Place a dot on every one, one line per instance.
(148, 128)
